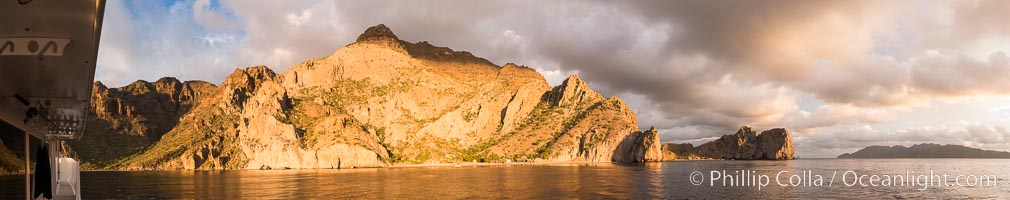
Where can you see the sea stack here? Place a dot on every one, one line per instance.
(745, 144)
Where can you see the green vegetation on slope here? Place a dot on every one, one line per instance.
(104, 145)
(208, 131)
(9, 162)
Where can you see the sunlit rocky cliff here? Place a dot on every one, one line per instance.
(376, 102)
(745, 144)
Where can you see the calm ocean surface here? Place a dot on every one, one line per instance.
(667, 180)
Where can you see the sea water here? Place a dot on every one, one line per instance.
(806, 178)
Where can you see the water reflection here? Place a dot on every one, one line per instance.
(594, 181)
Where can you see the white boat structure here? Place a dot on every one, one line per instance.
(48, 51)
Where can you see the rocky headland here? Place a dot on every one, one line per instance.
(745, 144)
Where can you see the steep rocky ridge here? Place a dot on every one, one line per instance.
(745, 144)
(382, 101)
(126, 120)
(377, 102)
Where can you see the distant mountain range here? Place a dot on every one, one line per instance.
(925, 151)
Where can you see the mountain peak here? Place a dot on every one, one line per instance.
(746, 130)
(249, 77)
(168, 80)
(573, 79)
(99, 84)
(574, 91)
(381, 35)
(377, 33)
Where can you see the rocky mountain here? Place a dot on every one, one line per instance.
(377, 102)
(745, 144)
(124, 121)
(373, 103)
(925, 151)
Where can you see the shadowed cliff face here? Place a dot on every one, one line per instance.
(640, 146)
(372, 103)
(745, 144)
(11, 149)
(124, 121)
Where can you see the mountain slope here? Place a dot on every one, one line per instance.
(382, 101)
(10, 163)
(126, 120)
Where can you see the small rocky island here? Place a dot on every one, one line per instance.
(745, 144)
(927, 150)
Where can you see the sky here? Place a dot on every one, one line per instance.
(840, 75)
